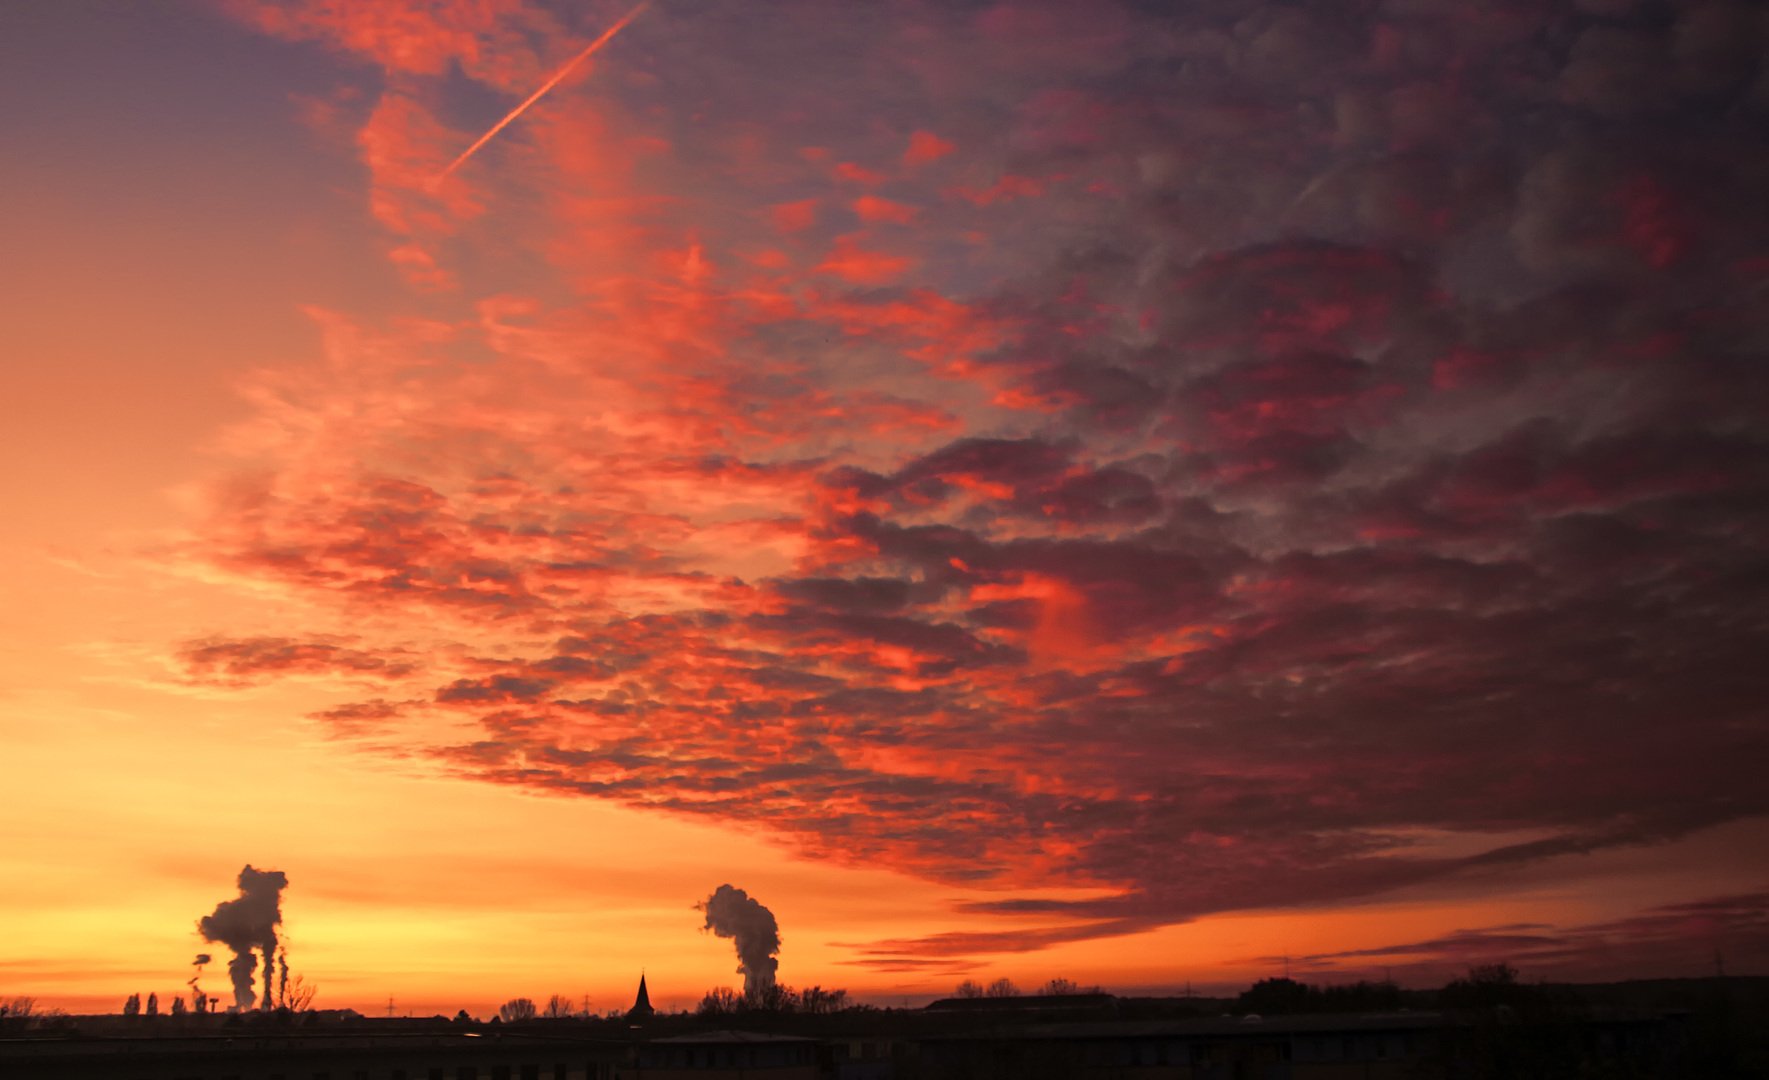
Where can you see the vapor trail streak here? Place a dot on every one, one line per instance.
(588, 51)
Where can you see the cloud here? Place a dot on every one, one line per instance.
(924, 147)
(1681, 937)
(241, 661)
(407, 37)
(1236, 441)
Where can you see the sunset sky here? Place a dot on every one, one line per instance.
(1141, 491)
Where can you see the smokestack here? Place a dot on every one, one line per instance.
(733, 913)
(246, 923)
(199, 1000)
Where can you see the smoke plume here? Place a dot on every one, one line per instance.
(733, 913)
(246, 923)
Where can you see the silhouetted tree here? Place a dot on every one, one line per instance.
(969, 988)
(177, 1008)
(558, 1007)
(1059, 986)
(1486, 986)
(22, 1014)
(1277, 996)
(1280, 996)
(517, 1009)
(817, 1001)
(720, 1001)
(132, 1005)
(296, 994)
(1360, 996)
(463, 1017)
(1509, 1029)
(1002, 988)
(18, 1014)
(153, 1004)
(775, 998)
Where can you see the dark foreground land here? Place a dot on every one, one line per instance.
(1696, 1028)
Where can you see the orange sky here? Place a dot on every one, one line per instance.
(1021, 489)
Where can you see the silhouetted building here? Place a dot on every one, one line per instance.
(1088, 1004)
(867, 1057)
(427, 1056)
(724, 1053)
(1327, 1046)
(908, 1045)
(641, 1009)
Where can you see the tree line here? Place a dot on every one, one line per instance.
(1005, 988)
(558, 1007)
(293, 996)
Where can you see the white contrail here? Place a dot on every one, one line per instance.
(588, 51)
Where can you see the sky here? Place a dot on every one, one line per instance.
(1148, 493)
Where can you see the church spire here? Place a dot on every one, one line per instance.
(642, 1003)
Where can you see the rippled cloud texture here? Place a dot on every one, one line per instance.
(1224, 454)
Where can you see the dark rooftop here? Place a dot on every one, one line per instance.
(733, 1038)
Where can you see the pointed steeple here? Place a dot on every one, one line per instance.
(642, 1003)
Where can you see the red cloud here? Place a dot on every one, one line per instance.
(794, 216)
(1328, 483)
(925, 146)
(1005, 189)
(851, 262)
(401, 36)
(245, 659)
(857, 174)
(873, 209)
